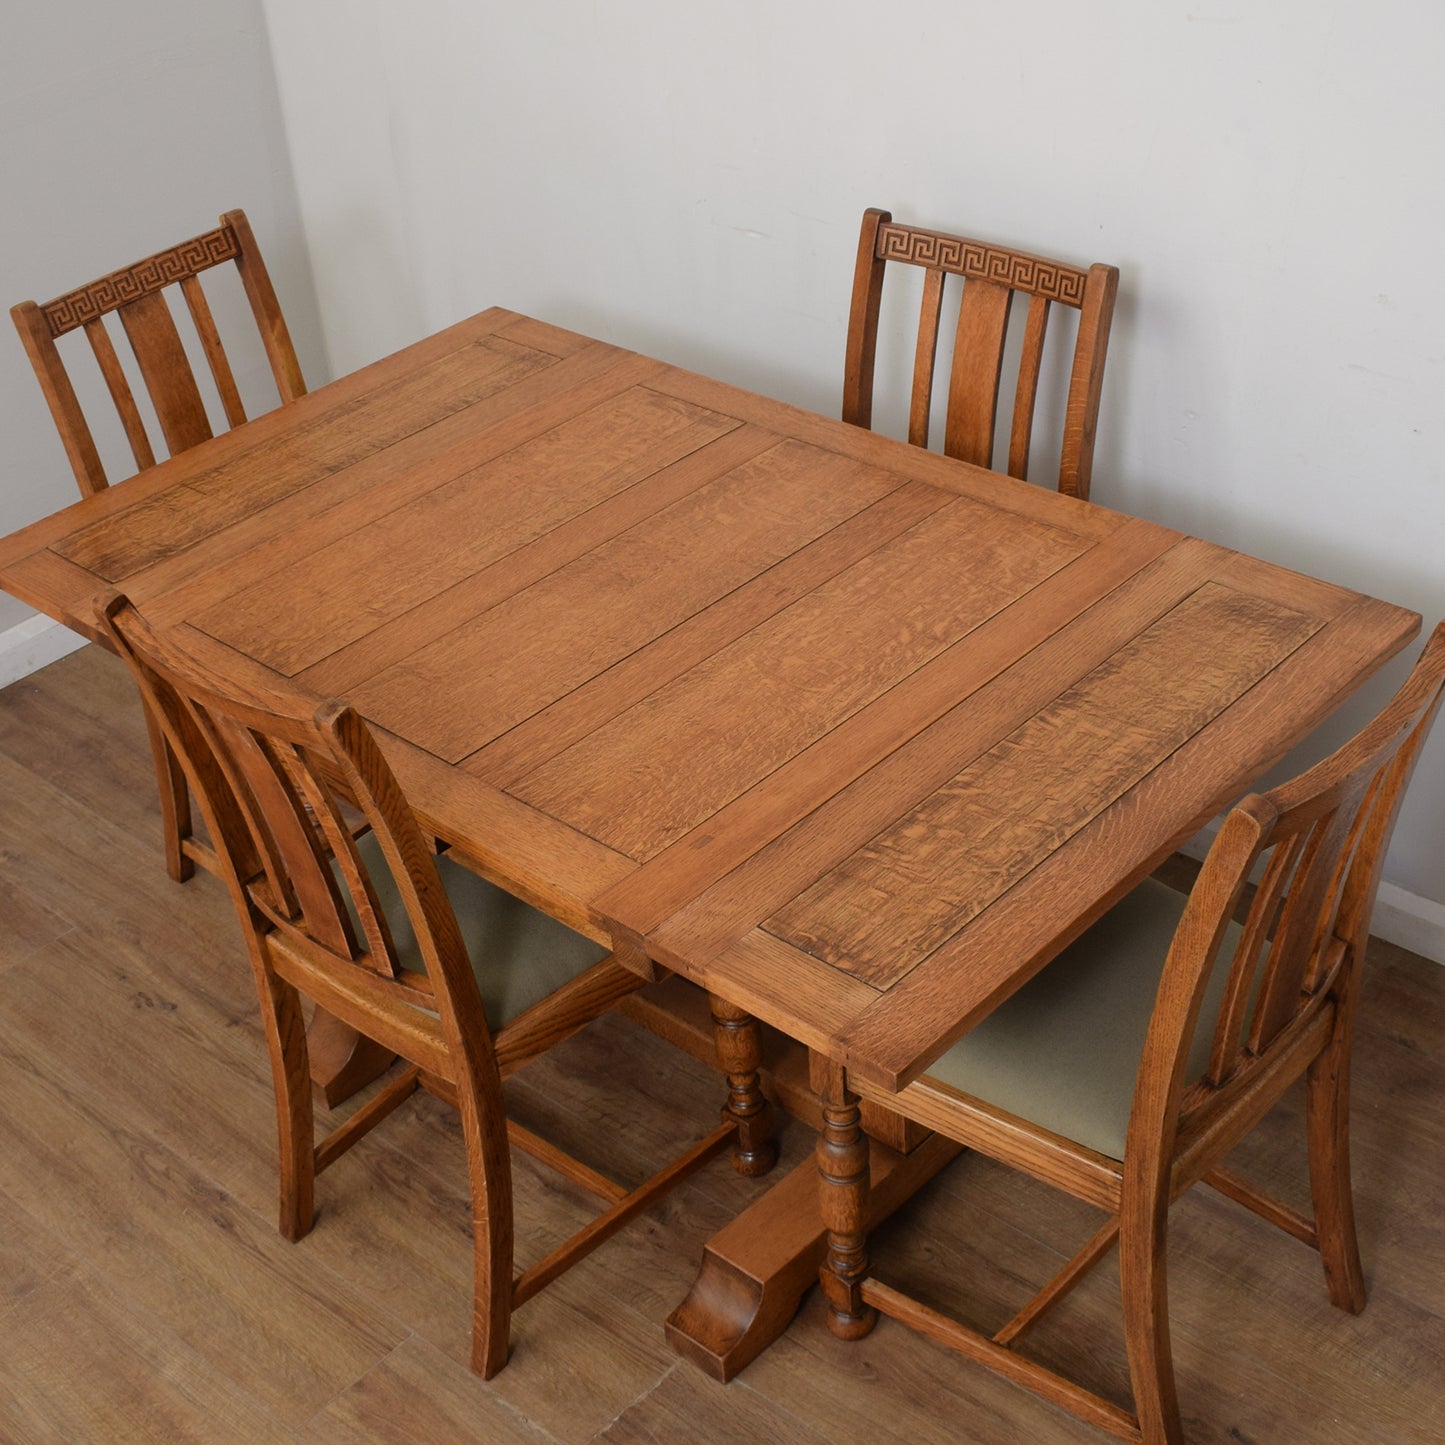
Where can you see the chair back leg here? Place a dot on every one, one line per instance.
(1328, 1123)
(175, 801)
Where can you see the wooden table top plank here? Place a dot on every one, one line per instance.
(913, 1022)
(660, 769)
(412, 552)
(541, 335)
(764, 975)
(573, 716)
(168, 522)
(893, 902)
(336, 396)
(1039, 504)
(276, 537)
(391, 643)
(699, 859)
(40, 578)
(548, 638)
(280, 539)
(850, 815)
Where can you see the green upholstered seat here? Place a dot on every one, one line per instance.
(519, 954)
(1064, 1051)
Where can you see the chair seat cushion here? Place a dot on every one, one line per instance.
(519, 954)
(1064, 1051)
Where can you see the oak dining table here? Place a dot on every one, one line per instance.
(848, 736)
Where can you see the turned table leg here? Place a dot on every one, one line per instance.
(843, 1203)
(739, 1051)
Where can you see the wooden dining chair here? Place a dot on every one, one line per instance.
(136, 294)
(1133, 1063)
(343, 903)
(992, 276)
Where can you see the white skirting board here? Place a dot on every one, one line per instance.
(30, 645)
(1411, 921)
(1401, 917)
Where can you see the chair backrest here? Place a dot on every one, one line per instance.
(285, 786)
(136, 294)
(1317, 845)
(991, 276)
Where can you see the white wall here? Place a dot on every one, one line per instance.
(124, 129)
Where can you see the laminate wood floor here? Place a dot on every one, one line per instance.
(146, 1295)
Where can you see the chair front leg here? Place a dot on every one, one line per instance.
(739, 1049)
(843, 1183)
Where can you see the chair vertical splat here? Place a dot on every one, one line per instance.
(120, 393)
(1031, 361)
(973, 388)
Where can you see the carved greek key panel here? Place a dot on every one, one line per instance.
(77, 307)
(963, 257)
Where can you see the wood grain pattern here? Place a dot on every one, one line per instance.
(572, 717)
(978, 343)
(151, 331)
(273, 543)
(459, 526)
(175, 519)
(682, 872)
(544, 641)
(885, 909)
(804, 671)
(1002, 700)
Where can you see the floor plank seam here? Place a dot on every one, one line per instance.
(205, 1179)
(21, 960)
(315, 1417)
(134, 1307)
(632, 1404)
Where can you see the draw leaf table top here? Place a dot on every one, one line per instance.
(852, 735)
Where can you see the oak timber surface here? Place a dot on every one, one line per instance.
(128, 1022)
(854, 734)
